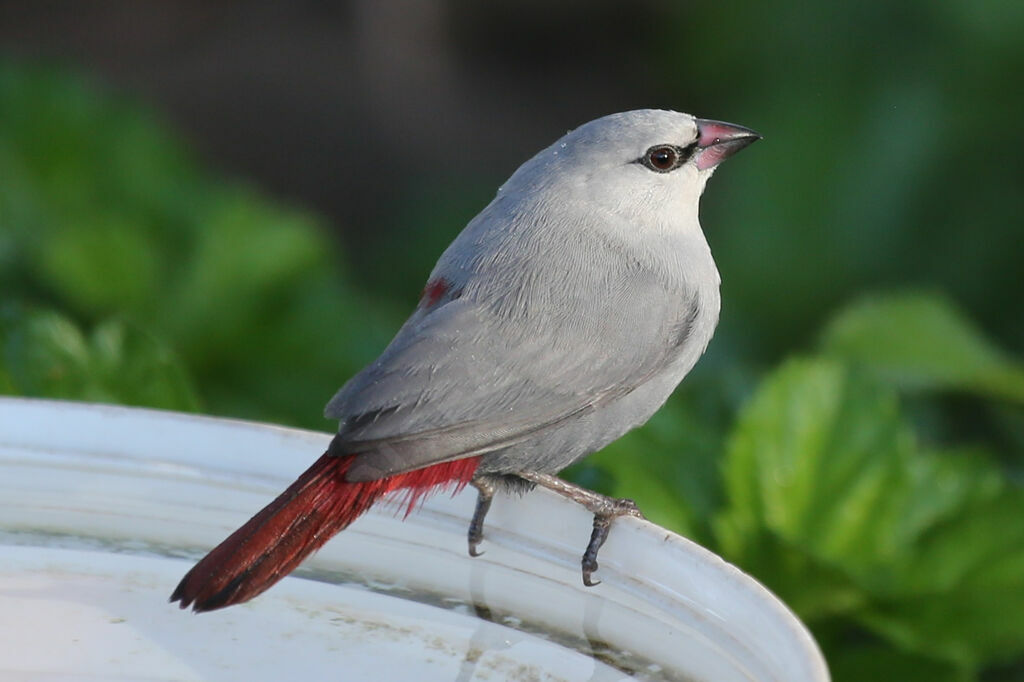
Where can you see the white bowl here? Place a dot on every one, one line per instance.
(102, 509)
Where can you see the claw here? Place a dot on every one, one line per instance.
(602, 524)
(476, 525)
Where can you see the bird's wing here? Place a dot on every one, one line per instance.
(484, 371)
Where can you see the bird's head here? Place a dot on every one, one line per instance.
(637, 163)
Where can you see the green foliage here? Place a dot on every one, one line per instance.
(885, 335)
(132, 275)
(103, 214)
(822, 466)
(46, 354)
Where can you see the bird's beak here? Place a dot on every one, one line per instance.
(717, 141)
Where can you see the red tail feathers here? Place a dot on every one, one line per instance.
(311, 511)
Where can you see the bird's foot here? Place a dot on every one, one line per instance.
(602, 524)
(605, 510)
(485, 489)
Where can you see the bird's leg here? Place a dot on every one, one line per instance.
(485, 493)
(605, 510)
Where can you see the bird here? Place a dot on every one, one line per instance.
(562, 316)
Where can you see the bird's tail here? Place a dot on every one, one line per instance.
(313, 509)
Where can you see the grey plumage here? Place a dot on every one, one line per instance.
(568, 311)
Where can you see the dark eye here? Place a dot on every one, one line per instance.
(662, 158)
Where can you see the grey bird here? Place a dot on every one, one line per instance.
(561, 317)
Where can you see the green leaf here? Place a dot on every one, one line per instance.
(828, 492)
(139, 369)
(102, 264)
(961, 591)
(922, 341)
(246, 256)
(46, 355)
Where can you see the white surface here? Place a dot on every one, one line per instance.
(95, 501)
(90, 615)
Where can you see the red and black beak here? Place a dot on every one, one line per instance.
(717, 141)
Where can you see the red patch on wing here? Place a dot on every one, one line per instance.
(434, 292)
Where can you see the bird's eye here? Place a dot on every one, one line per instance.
(662, 158)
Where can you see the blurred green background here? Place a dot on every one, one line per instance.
(230, 209)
